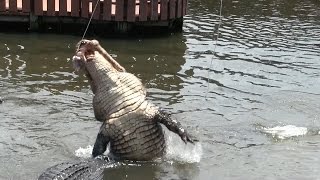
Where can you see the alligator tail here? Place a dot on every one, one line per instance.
(87, 170)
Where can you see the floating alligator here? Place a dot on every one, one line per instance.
(130, 123)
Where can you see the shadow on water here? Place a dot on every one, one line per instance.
(152, 170)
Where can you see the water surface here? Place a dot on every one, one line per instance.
(263, 76)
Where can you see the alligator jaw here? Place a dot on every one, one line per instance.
(78, 62)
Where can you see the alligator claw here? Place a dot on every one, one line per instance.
(187, 138)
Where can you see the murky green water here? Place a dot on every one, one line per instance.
(265, 73)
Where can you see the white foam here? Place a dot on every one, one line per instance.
(179, 151)
(84, 152)
(283, 132)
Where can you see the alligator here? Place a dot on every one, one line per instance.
(131, 125)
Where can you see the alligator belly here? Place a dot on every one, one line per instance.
(139, 143)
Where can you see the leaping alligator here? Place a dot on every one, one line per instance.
(130, 123)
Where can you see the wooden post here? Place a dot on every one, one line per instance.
(179, 8)
(63, 8)
(119, 10)
(107, 10)
(38, 7)
(13, 6)
(2, 6)
(75, 8)
(131, 7)
(172, 7)
(96, 14)
(85, 8)
(26, 6)
(51, 7)
(154, 10)
(184, 7)
(33, 18)
(143, 10)
(164, 10)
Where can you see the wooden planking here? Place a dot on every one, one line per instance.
(38, 7)
(179, 8)
(122, 10)
(63, 8)
(143, 10)
(172, 9)
(85, 8)
(131, 8)
(75, 8)
(164, 10)
(51, 7)
(154, 10)
(25, 5)
(13, 6)
(96, 14)
(119, 10)
(107, 10)
(2, 5)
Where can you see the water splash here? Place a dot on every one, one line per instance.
(284, 132)
(179, 151)
(175, 151)
(84, 152)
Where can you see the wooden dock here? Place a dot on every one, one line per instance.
(121, 15)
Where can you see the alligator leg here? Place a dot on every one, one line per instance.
(101, 143)
(173, 125)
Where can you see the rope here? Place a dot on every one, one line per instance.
(214, 49)
(85, 32)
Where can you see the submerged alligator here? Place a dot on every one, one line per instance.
(130, 123)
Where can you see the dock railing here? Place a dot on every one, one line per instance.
(107, 10)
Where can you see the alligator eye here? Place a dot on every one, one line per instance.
(82, 43)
